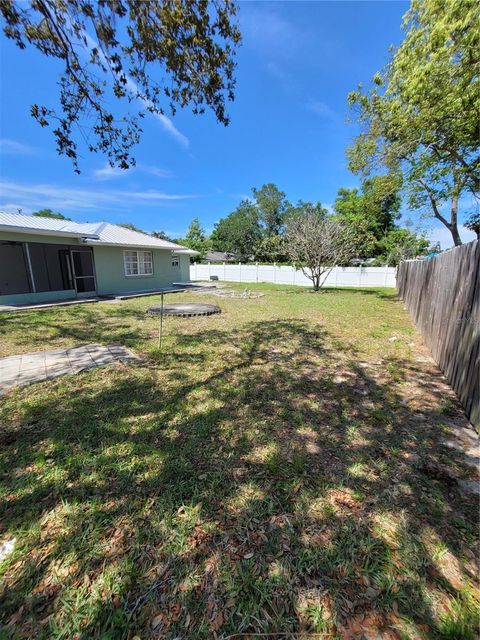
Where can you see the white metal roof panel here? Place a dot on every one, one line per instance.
(98, 233)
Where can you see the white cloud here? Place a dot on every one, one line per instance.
(155, 171)
(108, 173)
(13, 147)
(34, 196)
(169, 127)
(14, 207)
(444, 237)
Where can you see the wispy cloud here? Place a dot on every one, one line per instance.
(169, 127)
(321, 109)
(278, 72)
(108, 173)
(14, 207)
(265, 29)
(156, 171)
(164, 120)
(33, 196)
(13, 147)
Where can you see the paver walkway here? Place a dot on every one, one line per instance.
(28, 368)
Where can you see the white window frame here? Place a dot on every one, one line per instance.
(175, 261)
(138, 263)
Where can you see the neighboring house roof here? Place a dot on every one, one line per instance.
(98, 233)
(219, 256)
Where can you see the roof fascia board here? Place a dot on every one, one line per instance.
(174, 249)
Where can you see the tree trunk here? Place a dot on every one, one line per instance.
(455, 235)
(454, 224)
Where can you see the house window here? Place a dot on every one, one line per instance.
(138, 263)
(175, 261)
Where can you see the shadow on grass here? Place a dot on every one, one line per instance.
(77, 325)
(388, 294)
(273, 485)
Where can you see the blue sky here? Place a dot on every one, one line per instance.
(297, 63)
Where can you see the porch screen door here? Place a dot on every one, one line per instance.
(84, 273)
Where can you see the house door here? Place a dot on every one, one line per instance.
(84, 273)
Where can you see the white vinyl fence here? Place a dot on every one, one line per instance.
(286, 274)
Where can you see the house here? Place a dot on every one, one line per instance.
(44, 259)
(219, 256)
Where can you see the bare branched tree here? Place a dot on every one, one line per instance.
(316, 243)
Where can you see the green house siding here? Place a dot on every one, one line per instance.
(184, 269)
(109, 270)
(111, 276)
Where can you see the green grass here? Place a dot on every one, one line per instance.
(264, 474)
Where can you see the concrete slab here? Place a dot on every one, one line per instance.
(8, 380)
(4, 308)
(11, 362)
(28, 368)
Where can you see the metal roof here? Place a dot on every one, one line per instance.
(98, 233)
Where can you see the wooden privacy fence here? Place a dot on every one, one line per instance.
(443, 297)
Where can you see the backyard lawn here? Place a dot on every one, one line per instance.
(280, 468)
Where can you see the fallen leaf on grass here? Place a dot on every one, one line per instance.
(217, 622)
(175, 610)
(157, 621)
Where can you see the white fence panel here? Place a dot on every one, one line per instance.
(286, 274)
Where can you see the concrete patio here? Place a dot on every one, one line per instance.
(176, 287)
(28, 368)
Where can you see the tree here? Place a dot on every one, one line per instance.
(473, 223)
(196, 239)
(349, 209)
(369, 213)
(272, 208)
(162, 55)
(420, 117)
(238, 233)
(131, 227)
(401, 244)
(48, 213)
(161, 235)
(317, 243)
(271, 248)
